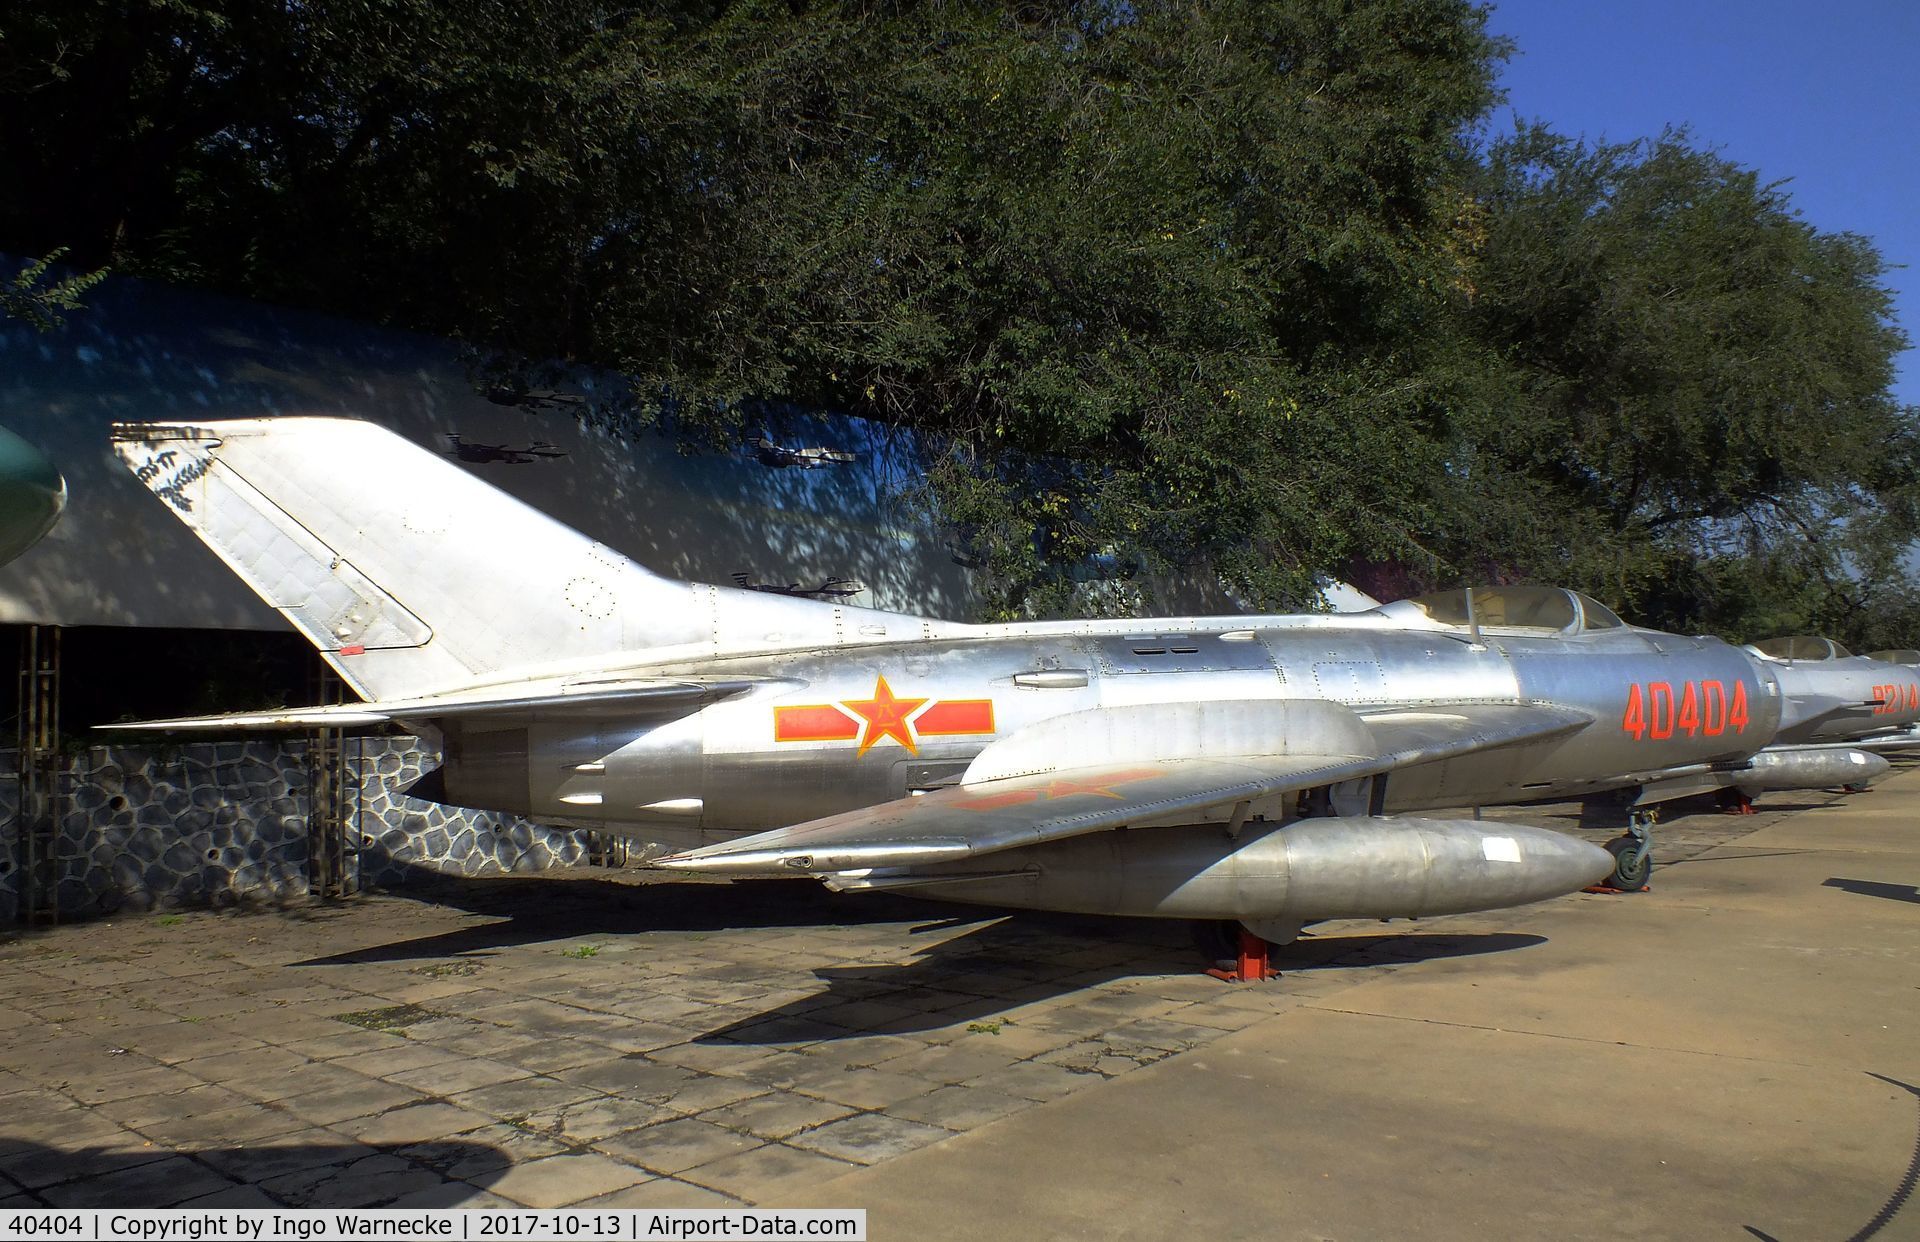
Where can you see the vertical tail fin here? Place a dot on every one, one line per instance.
(410, 575)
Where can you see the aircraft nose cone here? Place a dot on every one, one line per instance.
(32, 494)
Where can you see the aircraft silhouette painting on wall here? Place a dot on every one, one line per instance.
(770, 453)
(829, 588)
(500, 454)
(1263, 771)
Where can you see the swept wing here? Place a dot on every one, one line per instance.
(1139, 764)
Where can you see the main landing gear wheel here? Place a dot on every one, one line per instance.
(1632, 856)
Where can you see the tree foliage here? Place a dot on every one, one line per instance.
(1209, 300)
(1701, 383)
(39, 297)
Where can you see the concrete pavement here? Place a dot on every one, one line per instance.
(1736, 1054)
(1727, 1056)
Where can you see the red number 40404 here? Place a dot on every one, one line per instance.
(1695, 708)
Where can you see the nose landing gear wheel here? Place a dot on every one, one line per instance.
(1632, 866)
(1632, 857)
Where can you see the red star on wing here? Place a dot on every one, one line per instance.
(886, 716)
(1099, 787)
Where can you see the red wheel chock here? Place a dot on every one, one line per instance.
(1251, 966)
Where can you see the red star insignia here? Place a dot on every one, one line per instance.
(1099, 787)
(886, 717)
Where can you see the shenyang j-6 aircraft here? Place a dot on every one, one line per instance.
(1253, 769)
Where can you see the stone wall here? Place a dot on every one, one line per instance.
(398, 833)
(221, 823)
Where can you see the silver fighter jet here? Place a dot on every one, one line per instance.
(1841, 703)
(1257, 769)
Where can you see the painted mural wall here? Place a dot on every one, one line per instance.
(143, 352)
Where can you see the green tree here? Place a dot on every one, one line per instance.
(1206, 302)
(40, 297)
(1694, 416)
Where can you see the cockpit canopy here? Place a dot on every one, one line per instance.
(1897, 655)
(1800, 647)
(1548, 610)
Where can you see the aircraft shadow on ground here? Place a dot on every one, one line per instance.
(1874, 888)
(533, 909)
(1601, 813)
(1902, 1192)
(999, 965)
(998, 959)
(308, 1175)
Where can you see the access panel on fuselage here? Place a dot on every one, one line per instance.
(1180, 667)
(1373, 668)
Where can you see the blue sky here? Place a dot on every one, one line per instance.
(1823, 96)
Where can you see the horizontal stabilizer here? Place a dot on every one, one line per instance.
(667, 696)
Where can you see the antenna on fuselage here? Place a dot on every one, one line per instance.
(1473, 620)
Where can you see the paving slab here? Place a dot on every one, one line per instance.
(961, 1108)
(678, 1145)
(776, 1115)
(869, 1138)
(37, 1167)
(663, 1192)
(712, 1091)
(371, 1180)
(771, 1175)
(452, 1195)
(595, 1118)
(558, 1181)
(366, 1098)
(156, 1183)
(232, 1197)
(1034, 1080)
(230, 1127)
(520, 1097)
(478, 1152)
(870, 1088)
(451, 1077)
(406, 1056)
(413, 1123)
(110, 1088)
(283, 1154)
(635, 1078)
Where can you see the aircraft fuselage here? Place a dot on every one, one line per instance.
(836, 729)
